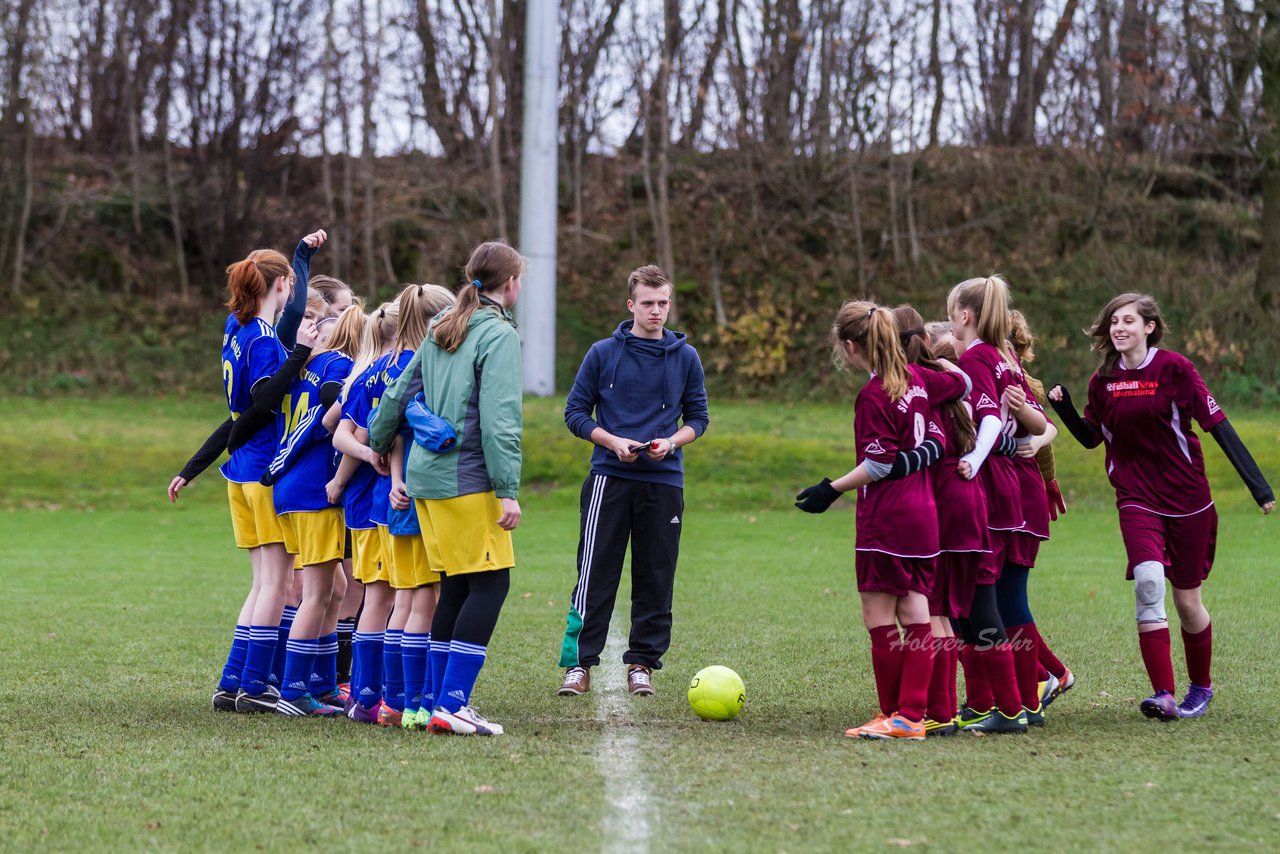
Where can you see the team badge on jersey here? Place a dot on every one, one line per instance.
(874, 448)
(935, 429)
(1214, 409)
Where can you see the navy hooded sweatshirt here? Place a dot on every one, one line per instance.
(640, 389)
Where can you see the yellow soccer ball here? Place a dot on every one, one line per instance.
(717, 694)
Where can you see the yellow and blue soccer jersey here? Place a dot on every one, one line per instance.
(402, 522)
(300, 487)
(250, 353)
(393, 366)
(358, 499)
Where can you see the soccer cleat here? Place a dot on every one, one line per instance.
(1035, 717)
(968, 717)
(894, 727)
(577, 680)
(1162, 706)
(336, 697)
(388, 716)
(939, 728)
(224, 701)
(1196, 703)
(411, 719)
(998, 723)
(1047, 689)
(258, 703)
(856, 731)
(1066, 682)
(361, 715)
(640, 680)
(306, 706)
(465, 721)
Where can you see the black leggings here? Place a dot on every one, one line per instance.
(983, 625)
(469, 605)
(1011, 595)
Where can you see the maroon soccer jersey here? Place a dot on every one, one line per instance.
(899, 517)
(962, 504)
(1144, 414)
(991, 375)
(1035, 501)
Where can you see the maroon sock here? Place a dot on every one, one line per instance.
(953, 660)
(977, 688)
(1048, 660)
(998, 661)
(1157, 656)
(917, 670)
(939, 708)
(1199, 650)
(886, 664)
(1026, 661)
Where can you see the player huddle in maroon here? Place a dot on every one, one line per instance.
(956, 492)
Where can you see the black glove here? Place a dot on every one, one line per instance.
(817, 498)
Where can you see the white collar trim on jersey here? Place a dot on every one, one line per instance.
(974, 343)
(1151, 354)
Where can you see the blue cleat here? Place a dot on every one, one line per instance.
(1196, 703)
(1161, 705)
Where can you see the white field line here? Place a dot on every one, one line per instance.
(631, 808)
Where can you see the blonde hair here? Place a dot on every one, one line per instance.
(988, 299)
(347, 334)
(417, 304)
(329, 288)
(872, 328)
(379, 334)
(490, 267)
(317, 307)
(1021, 338)
(650, 276)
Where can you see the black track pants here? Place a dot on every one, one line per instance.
(613, 512)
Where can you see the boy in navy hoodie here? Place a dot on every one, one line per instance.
(639, 397)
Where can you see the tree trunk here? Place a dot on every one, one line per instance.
(497, 181)
(1268, 281)
(1132, 91)
(935, 72)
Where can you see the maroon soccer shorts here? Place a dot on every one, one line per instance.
(1021, 548)
(954, 582)
(989, 571)
(1184, 544)
(880, 572)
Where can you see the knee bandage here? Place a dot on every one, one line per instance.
(1148, 590)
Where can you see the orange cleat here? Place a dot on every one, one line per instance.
(855, 732)
(894, 727)
(388, 716)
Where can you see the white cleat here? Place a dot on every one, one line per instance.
(465, 721)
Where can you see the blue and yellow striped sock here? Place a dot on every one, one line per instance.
(366, 672)
(392, 670)
(413, 658)
(257, 660)
(300, 655)
(465, 661)
(437, 662)
(230, 680)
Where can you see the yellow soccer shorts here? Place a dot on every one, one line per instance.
(253, 515)
(407, 554)
(462, 534)
(315, 536)
(368, 562)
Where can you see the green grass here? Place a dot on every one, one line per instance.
(118, 610)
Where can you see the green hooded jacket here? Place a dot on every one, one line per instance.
(477, 389)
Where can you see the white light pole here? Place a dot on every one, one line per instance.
(536, 310)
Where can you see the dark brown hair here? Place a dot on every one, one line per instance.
(911, 331)
(1100, 331)
(250, 279)
(490, 267)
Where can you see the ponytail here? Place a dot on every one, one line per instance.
(490, 267)
(379, 333)
(417, 304)
(249, 280)
(347, 335)
(988, 299)
(873, 328)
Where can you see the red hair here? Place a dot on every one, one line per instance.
(249, 280)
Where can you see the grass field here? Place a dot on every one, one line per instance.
(119, 610)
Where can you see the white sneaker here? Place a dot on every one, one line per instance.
(465, 721)
(1047, 688)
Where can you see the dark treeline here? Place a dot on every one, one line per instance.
(775, 155)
